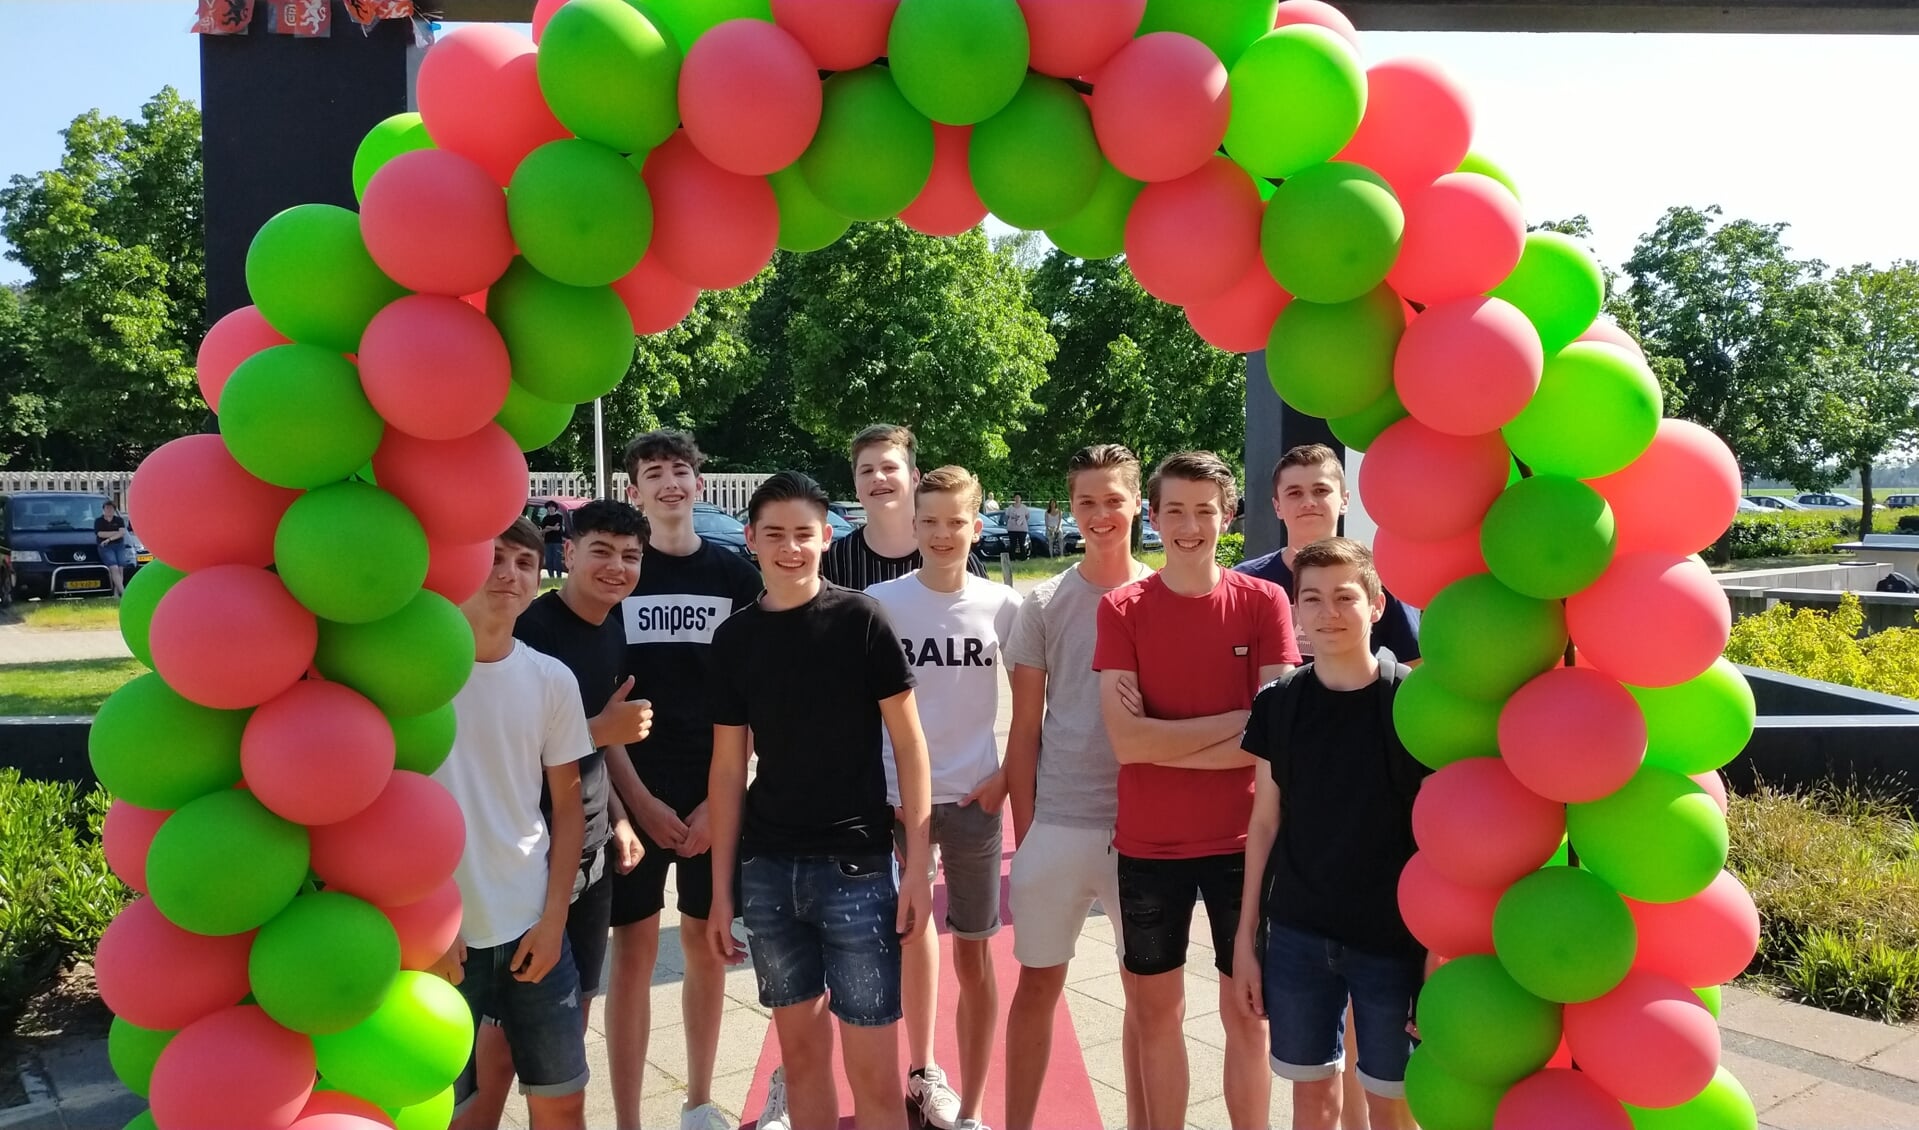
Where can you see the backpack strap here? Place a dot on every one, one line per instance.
(1286, 713)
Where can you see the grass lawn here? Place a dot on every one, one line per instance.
(1040, 568)
(72, 687)
(1794, 561)
(81, 613)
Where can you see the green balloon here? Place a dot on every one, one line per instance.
(383, 573)
(1548, 536)
(132, 1052)
(422, 741)
(1335, 359)
(580, 214)
(805, 223)
(1098, 229)
(1699, 725)
(958, 61)
(401, 133)
(413, 661)
(568, 344)
(1229, 27)
(142, 1121)
(295, 415)
(687, 20)
(310, 275)
(1443, 1101)
(143, 594)
(1483, 640)
(1358, 430)
(1558, 285)
(1481, 1026)
(1713, 997)
(873, 151)
(408, 1051)
(223, 864)
(434, 1114)
(1036, 163)
(610, 75)
(1562, 856)
(1439, 727)
(1298, 94)
(324, 963)
(1660, 838)
(1723, 1105)
(532, 422)
(1331, 232)
(1596, 410)
(1564, 935)
(154, 749)
(1484, 166)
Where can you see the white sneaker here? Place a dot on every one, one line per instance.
(773, 1114)
(939, 1104)
(706, 1116)
(971, 1124)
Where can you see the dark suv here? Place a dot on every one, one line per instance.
(47, 547)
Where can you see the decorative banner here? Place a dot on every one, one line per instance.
(222, 17)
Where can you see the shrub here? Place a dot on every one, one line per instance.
(1816, 644)
(56, 893)
(1795, 532)
(1231, 550)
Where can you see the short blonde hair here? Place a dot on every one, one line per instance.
(952, 479)
(1328, 553)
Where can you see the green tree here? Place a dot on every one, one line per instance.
(1618, 306)
(1870, 395)
(23, 402)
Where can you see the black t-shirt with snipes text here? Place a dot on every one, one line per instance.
(594, 653)
(852, 564)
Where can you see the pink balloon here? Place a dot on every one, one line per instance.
(1160, 107)
(457, 571)
(1319, 14)
(125, 837)
(479, 96)
(1076, 37)
(344, 1120)
(712, 228)
(1559, 1099)
(1241, 319)
(1425, 485)
(840, 35)
(1468, 366)
(233, 1070)
(458, 245)
(1477, 825)
(1418, 125)
(1415, 571)
(1464, 234)
(317, 754)
(542, 12)
(426, 926)
(231, 636)
(655, 299)
(1572, 735)
(1606, 330)
(1715, 786)
(334, 1104)
(1563, 1057)
(750, 96)
(153, 974)
(462, 490)
(434, 367)
(233, 339)
(398, 849)
(1450, 919)
(189, 478)
(1708, 939)
(1649, 1042)
(1189, 240)
(948, 205)
(1678, 496)
(1651, 620)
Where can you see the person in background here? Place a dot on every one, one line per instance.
(885, 471)
(990, 506)
(1019, 521)
(1054, 522)
(553, 533)
(110, 535)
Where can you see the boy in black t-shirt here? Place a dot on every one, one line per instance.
(815, 670)
(885, 473)
(1330, 832)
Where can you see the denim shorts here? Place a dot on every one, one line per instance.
(116, 553)
(825, 925)
(542, 1020)
(1156, 899)
(1308, 978)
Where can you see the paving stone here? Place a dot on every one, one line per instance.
(1095, 1020)
(1107, 989)
(1832, 1106)
(1112, 1104)
(1810, 1029)
(1769, 1084)
(1106, 1065)
(1901, 1059)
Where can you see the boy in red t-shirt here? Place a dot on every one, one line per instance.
(1180, 656)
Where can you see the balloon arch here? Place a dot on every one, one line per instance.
(375, 401)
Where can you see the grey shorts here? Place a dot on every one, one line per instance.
(968, 842)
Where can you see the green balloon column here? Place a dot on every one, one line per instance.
(376, 401)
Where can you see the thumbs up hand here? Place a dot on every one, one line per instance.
(623, 721)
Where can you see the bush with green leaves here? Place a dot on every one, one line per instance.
(56, 893)
(1793, 532)
(1826, 645)
(1231, 550)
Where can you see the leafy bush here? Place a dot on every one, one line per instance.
(1231, 550)
(1792, 532)
(1816, 644)
(56, 893)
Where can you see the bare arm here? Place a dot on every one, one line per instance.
(1141, 740)
(1022, 745)
(569, 837)
(1248, 980)
(1227, 754)
(725, 789)
(902, 718)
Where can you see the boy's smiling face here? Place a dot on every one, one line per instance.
(1335, 613)
(788, 537)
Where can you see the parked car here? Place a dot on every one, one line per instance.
(720, 528)
(1070, 540)
(47, 547)
(1748, 506)
(1148, 536)
(993, 538)
(1827, 501)
(537, 506)
(1772, 502)
(853, 512)
(1901, 501)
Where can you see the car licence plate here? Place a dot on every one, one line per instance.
(70, 585)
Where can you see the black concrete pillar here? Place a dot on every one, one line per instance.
(1272, 427)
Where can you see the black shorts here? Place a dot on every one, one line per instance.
(1156, 898)
(641, 893)
(590, 917)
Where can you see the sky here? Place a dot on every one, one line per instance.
(1812, 131)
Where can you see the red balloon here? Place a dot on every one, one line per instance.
(233, 339)
(317, 754)
(336, 1103)
(1425, 485)
(948, 205)
(231, 636)
(459, 245)
(712, 228)
(1070, 38)
(542, 12)
(1319, 14)
(1563, 1057)
(1715, 786)
(1160, 107)
(1477, 825)
(1707, 939)
(1415, 571)
(655, 299)
(1559, 1099)
(1649, 1042)
(750, 96)
(479, 96)
(1418, 126)
(840, 35)
(434, 367)
(1606, 330)
(125, 837)
(1651, 619)
(1241, 319)
(343, 1120)
(1464, 235)
(233, 1070)
(155, 975)
(426, 926)
(1572, 735)
(462, 490)
(1468, 366)
(186, 480)
(1678, 496)
(457, 571)
(398, 849)
(1450, 919)
(1189, 240)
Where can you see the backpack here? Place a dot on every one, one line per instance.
(1401, 770)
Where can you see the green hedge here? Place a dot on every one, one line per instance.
(1794, 532)
(1231, 550)
(1816, 644)
(56, 893)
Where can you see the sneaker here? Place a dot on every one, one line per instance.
(970, 1124)
(706, 1116)
(773, 1114)
(939, 1104)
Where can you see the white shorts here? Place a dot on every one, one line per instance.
(1058, 873)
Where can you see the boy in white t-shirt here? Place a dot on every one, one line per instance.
(951, 626)
(520, 722)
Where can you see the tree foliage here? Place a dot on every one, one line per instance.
(1870, 393)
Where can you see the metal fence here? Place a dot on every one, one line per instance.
(728, 492)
